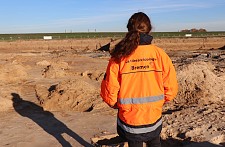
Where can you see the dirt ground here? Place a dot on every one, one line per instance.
(49, 93)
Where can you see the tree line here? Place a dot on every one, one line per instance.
(194, 30)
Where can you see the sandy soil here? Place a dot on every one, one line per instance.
(49, 93)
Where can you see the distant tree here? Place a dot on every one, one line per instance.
(186, 31)
(202, 30)
(194, 30)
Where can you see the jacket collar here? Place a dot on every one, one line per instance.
(145, 39)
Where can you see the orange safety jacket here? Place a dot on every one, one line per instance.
(139, 86)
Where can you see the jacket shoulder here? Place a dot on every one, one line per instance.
(156, 47)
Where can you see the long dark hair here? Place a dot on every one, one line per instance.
(138, 23)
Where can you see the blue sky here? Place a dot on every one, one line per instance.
(43, 16)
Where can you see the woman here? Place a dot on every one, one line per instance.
(139, 79)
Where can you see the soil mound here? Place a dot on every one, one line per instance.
(69, 95)
(54, 70)
(197, 113)
(96, 75)
(13, 73)
(198, 84)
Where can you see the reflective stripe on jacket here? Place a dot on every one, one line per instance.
(139, 85)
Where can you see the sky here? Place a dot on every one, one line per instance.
(58, 16)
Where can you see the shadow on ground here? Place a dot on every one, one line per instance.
(45, 120)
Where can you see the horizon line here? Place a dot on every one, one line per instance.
(101, 32)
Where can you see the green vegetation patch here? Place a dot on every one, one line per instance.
(13, 37)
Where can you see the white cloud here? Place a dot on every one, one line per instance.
(168, 6)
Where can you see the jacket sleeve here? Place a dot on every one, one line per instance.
(110, 84)
(169, 79)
